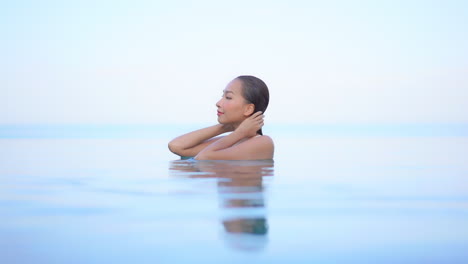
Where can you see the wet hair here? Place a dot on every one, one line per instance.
(255, 92)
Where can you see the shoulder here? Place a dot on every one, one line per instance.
(258, 139)
(263, 139)
(265, 146)
(261, 142)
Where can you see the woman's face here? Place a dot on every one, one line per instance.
(232, 107)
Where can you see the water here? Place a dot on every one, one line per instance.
(348, 196)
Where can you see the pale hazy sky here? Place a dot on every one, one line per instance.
(168, 61)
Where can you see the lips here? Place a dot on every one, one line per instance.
(220, 113)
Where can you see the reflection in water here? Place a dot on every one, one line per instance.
(241, 192)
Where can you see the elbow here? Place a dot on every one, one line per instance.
(178, 149)
(174, 148)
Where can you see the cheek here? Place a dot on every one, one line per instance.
(226, 105)
(231, 106)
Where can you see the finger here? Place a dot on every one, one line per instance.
(258, 120)
(257, 114)
(254, 118)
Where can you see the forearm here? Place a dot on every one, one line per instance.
(224, 143)
(188, 141)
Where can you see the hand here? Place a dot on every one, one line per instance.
(251, 125)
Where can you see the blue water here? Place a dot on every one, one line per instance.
(115, 194)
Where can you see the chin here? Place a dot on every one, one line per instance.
(222, 120)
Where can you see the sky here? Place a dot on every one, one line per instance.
(158, 62)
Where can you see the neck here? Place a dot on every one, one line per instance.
(235, 125)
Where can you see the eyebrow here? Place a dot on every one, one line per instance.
(227, 91)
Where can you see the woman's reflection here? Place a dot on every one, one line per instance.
(241, 191)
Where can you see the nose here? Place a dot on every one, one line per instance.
(218, 104)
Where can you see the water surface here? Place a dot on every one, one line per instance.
(338, 198)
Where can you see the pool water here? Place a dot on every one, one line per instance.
(341, 198)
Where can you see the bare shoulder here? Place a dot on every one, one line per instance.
(263, 146)
(264, 140)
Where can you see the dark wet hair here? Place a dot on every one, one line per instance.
(255, 91)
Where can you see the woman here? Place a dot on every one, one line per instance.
(240, 111)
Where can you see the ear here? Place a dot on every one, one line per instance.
(249, 109)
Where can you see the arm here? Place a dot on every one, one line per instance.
(192, 143)
(241, 144)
